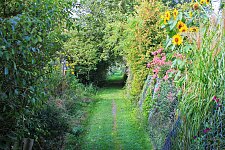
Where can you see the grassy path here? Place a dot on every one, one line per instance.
(113, 124)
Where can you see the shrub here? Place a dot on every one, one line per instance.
(143, 35)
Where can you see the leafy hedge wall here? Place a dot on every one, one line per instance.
(30, 35)
(142, 35)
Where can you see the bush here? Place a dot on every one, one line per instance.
(50, 127)
(143, 35)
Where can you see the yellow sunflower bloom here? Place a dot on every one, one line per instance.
(175, 13)
(193, 29)
(195, 6)
(165, 21)
(180, 24)
(177, 40)
(207, 2)
(184, 28)
(167, 15)
(202, 2)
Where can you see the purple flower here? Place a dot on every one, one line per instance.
(219, 105)
(195, 137)
(216, 99)
(206, 130)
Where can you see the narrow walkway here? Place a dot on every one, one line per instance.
(113, 124)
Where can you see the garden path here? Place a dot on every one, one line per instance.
(113, 124)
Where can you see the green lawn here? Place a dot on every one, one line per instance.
(121, 130)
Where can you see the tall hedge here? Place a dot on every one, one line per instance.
(30, 35)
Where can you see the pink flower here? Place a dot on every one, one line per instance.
(166, 77)
(216, 99)
(164, 58)
(156, 70)
(170, 70)
(148, 65)
(159, 50)
(177, 55)
(157, 89)
(154, 76)
(154, 53)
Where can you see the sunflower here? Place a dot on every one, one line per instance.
(165, 21)
(202, 2)
(184, 28)
(207, 2)
(180, 24)
(195, 6)
(193, 29)
(177, 40)
(167, 15)
(175, 13)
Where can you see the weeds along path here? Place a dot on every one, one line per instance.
(113, 124)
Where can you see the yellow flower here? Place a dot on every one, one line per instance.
(175, 13)
(207, 2)
(67, 65)
(72, 72)
(167, 15)
(165, 21)
(180, 24)
(184, 28)
(190, 14)
(177, 40)
(195, 6)
(202, 2)
(193, 29)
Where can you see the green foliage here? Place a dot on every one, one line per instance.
(49, 126)
(198, 72)
(29, 39)
(162, 112)
(63, 114)
(92, 46)
(143, 35)
(204, 81)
